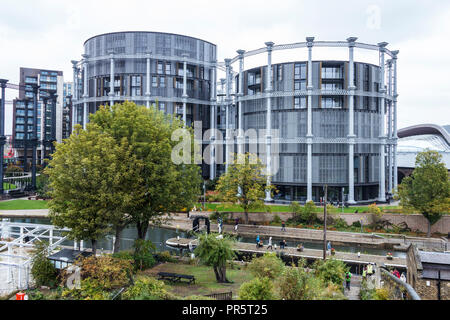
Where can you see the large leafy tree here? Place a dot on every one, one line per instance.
(245, 183)
(92, 178)
(168, 187)
(427, 190)
(215, 252)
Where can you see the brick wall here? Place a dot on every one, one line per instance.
(414, 221)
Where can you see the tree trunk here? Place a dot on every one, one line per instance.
(429, 229)
(119, 230)
(224, 274)
(94, 247)
(246, 217)
(142, 228)
(216, 272)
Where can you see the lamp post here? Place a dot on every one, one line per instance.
(2, 130)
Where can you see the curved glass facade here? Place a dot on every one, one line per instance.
(329, 125)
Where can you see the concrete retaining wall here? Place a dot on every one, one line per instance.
(414, 221)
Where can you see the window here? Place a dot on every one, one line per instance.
(300, 103)
(280, 73)
(168, 68)
(160, 67)
(331, 73)
(331, 86)
(162, 106)
(162, 82)
(299, 85)
(300, 71)
(154, 82)
(332, 102)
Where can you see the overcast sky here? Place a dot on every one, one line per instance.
(48, 34)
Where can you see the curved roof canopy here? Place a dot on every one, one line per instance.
(426, 129)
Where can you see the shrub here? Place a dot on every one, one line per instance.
(373, 208)
(165, 256)
(356, 224)
(43, 271)
(269, 265)
(382, 294)
(340, 223)
(106, 272)
(276, 219)
(91, 289)
(212, 196)
(123, 255)
(297, 284)
(147, 288)
(295, 207)
(11, 169)
(268, 209)
(143, 254)
(331, 271)
(308, 213)
(257, 289)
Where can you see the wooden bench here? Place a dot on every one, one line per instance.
(174, 277)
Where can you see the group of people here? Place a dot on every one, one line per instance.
(260, 244)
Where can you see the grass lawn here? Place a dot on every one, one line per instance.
(23, 205)
(205, 280)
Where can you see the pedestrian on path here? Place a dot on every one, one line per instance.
(269, 245)
(257, 241)
(329, 248)
(283, 226)
(283, 244)
(364, 273)
(348, 278)
(369, 269)
(236, 224)
(403, 277)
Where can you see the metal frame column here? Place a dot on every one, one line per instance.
(148, 92)
(227, 111)
(75, 93)
(111, 78)
(395, 136)
(85, 91)
(269, 119)
(2, 130)
(185, 96)
(34, 139)
(382, 136)
(389, 144)
(212, 166)
(239, 95)
(309, 136)
(351, 120)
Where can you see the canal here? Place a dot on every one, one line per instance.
(158, 237)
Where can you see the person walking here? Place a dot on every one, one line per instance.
(269, 245)
(236, 224)
(329, 247)
(369, 269)
(364, 273)
(348, 278)
(283, 226)
(257, 241)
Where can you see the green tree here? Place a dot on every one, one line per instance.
(297, 284)
(427, 190)
(269, 266)
(257, 289)
(42, 185)
(245, 183)
(168, 187)
(91, 178)
(215, 252)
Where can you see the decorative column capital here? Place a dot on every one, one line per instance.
(85, 57)
(382, 46)
(3, 83)
(148, 54)
(310, 42)
(351, 41)
(240, 52)
(227, 62)
(185, 56)
(394, 54)
(269, 45)
(74, 64)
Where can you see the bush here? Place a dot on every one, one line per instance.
(91, 289)
(269, 266)
(212, 196)
(295, 207)
(308, 215)
(106, 272)
(165, 256)
(356, 224)
(143, 254)
(146, 288)
(297, 284)
(340, 223)
(276, 219)
(268, 209)
(331, 271)
(373, 208)
(257, 289)
(43, 271)
(123, 255)
(43, 185)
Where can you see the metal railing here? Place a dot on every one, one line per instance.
(221, 296)
(411, 293)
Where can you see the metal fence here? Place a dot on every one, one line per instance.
(221, 296)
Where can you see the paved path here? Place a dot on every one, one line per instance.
(39, 213)
(355, 288)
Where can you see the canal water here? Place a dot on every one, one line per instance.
(158, 237)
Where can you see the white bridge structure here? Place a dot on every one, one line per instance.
(16, 244)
